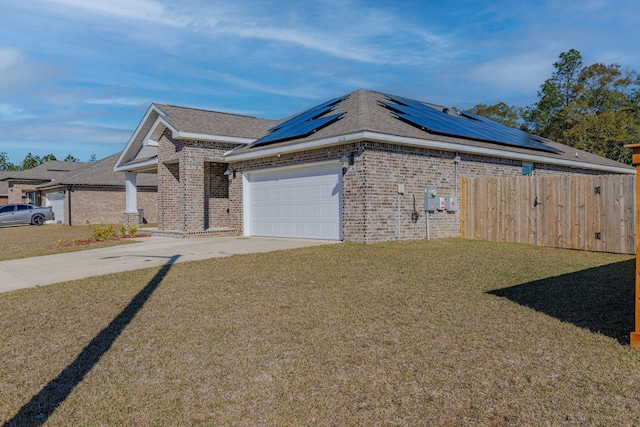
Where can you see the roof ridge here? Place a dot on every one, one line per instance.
(89, 165)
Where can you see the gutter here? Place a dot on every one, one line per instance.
(69, 191)
(423, 143)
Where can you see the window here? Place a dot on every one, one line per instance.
(23, 207)
(6, 209)
(527, 169)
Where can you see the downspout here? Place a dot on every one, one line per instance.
(69, 190)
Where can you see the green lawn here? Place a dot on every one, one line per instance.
(446, 332)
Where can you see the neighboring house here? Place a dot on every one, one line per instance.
(354, 168)
(82, 193)
(4, 187)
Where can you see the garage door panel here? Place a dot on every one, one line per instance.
(301, 203)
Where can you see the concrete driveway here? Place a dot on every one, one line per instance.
(148, 252)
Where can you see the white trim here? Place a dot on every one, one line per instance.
(246, 200)
(206, 137)
(137, 167)
(152, 109)
(423, 143)
(291, 167)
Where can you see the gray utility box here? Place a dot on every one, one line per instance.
(451, 203)
(430, 199)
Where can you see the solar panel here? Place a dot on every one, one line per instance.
(302, 124)
(464, 125)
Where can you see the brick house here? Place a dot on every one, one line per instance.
(4, 187)
(80, 192)
(354, 168)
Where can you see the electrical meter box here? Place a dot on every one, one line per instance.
(430, 199)
(441, 203)
(451, 203)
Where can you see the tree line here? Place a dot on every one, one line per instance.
(595, 108)
(30, 161)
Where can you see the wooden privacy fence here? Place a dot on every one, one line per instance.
(594, 213)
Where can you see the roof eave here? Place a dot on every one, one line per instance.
(138, 167)
(231, 156)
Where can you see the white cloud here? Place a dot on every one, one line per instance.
(12, 112)
(9, 57)
(522, 72)
(308, 93)
(18, 70)
(122, 101)
(145, 10)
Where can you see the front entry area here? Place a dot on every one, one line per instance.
(300, 202)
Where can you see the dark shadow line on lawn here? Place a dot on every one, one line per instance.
(41, 406)
(600, 299)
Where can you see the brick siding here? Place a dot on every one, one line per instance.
(104, 205)
(194, 193)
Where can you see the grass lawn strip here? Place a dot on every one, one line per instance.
(30, 241)
(389, 334)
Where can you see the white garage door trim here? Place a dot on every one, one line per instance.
(298, 201)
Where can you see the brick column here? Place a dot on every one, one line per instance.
(192, 193)
(635, 335)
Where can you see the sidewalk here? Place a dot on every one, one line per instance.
(148, 252)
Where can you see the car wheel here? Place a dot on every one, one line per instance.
(37, 220)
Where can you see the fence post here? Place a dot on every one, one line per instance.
(635, 335)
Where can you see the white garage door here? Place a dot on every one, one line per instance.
(301, 202)
(56, 201)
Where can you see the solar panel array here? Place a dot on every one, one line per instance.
(303, 124)
(464, 125)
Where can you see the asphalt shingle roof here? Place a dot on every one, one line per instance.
(215, 123)
(53, 169)
(364, 113)
(101, 173)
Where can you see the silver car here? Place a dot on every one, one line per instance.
(23, 213)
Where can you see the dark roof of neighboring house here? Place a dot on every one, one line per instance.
(53, 169)
(100, 173)
(363, 112)
(205, 122)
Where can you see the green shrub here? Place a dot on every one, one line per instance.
(133, 231)
(123, 230)
(103, 232)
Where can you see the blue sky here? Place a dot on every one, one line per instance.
(76, 76)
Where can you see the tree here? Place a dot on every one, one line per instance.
(5, 164)
(508, 115)
(604, 115)
(93, 158)
(547, 117)
(30, 161)
(71, 158)
(47, 157)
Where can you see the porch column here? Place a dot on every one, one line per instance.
(635, 335)
(131, 216)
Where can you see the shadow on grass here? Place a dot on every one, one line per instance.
(41, 406)
(600, 299)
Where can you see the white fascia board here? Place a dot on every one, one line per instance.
(423, 143)
(147, 140)
(135, 137)
(206, 137)
(142, 166)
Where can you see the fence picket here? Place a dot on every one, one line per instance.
(558, 211)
